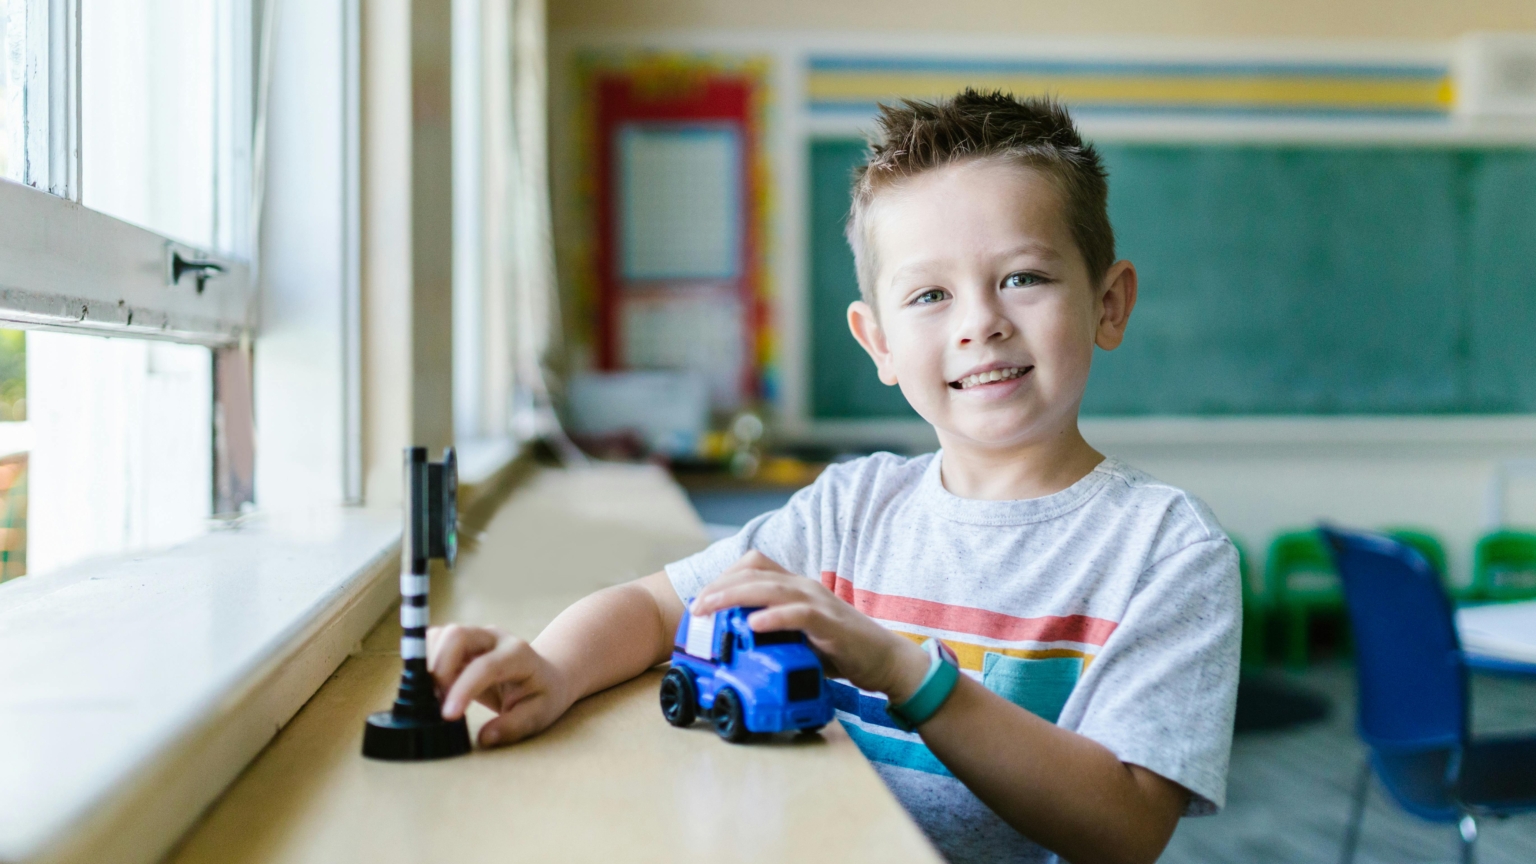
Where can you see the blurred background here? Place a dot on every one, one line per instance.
(1330, 205)
(1333, 210)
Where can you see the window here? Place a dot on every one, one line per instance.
(10, 93)
(148, 97)
(142, 112)
(15, 446)
(270, 607)
(121, 446)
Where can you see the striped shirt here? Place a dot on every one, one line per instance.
(1110, 608)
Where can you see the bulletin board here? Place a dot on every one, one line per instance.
(678, 200)
(1275, 279)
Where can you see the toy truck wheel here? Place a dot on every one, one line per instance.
(679, 698)
(727, 717)
(812, 730)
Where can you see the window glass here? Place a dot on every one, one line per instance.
(15, 442)
(12, 47)
(118, 438)
(147, 113)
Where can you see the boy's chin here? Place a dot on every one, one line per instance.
(989, 435)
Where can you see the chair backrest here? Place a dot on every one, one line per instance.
(1299, 565)
(1427, 545)
(1504, 566)
(1412, 682)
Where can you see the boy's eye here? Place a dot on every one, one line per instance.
(932, 295)
(1021, 280)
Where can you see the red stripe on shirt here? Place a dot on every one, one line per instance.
(967, 619)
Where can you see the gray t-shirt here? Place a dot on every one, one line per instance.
(1111, 608)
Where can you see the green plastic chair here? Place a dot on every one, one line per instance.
(1256, 610)
(1433, 550)
(1504, 567)
(1301, 578)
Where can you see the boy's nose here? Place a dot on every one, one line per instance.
(982, 321)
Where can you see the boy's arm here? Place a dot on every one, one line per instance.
(613, 635)
(1066, 791)
(1060, 788)
(599, 641)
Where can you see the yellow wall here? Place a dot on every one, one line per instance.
(1404, 19)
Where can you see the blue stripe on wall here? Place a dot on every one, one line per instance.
(1418, 71)
(863, 107)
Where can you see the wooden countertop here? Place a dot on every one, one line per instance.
(610, 782)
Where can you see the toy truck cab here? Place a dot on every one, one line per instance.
(744, 682)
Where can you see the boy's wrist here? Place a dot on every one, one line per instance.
(562, 678)
(909, 666)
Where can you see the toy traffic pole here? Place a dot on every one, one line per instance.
(414, 728)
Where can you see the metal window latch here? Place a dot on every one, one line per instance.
(201, 270)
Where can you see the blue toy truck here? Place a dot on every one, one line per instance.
(744, 682)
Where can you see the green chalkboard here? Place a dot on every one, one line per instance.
(1274, 280)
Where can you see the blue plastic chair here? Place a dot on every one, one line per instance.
(1414, 701)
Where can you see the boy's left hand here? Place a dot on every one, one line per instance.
(852, 645)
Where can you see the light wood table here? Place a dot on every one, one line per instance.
(610, 782)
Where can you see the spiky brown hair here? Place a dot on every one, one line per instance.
(1035, 133)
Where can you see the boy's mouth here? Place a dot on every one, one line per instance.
(991, 376)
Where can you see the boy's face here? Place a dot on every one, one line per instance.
(987, 318)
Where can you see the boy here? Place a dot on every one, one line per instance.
(1094, 611)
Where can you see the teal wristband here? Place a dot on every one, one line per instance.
(943, 675)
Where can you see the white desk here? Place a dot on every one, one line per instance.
(1505, 633)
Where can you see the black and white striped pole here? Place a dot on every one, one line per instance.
(414, 728)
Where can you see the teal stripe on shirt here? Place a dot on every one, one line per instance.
(894, 751)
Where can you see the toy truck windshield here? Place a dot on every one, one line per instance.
(700, 638)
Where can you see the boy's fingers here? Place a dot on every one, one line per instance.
(516, 723)
(718, 593)
(791, 616)
(755, 560)
(435, 636)
(511, 663)
(508, 693)
(456, 646)
(744, 574)
(758, 592)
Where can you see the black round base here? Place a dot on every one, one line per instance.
(400, 739)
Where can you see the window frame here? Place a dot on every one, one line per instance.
(64, 266)
(321, 212)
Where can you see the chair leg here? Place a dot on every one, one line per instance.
(1356, 814)
(1468, 828)
(1296, 638)
(1253, 636)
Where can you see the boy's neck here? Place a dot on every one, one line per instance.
(1031, 469)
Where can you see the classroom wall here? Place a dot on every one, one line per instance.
(1367, 19)
(1456, 476)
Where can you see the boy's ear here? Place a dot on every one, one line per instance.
(1115, 304)
(866, 329)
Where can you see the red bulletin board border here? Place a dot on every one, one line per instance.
(687, 93)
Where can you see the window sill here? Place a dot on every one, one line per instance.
(134, 690)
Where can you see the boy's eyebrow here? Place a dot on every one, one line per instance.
(1041, 250)
(920, 268)
(915, 268)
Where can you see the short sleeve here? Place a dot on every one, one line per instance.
(791, 536)
(1162, 693)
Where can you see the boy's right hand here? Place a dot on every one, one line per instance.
(501, 672)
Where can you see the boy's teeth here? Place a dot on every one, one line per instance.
(988, 377)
